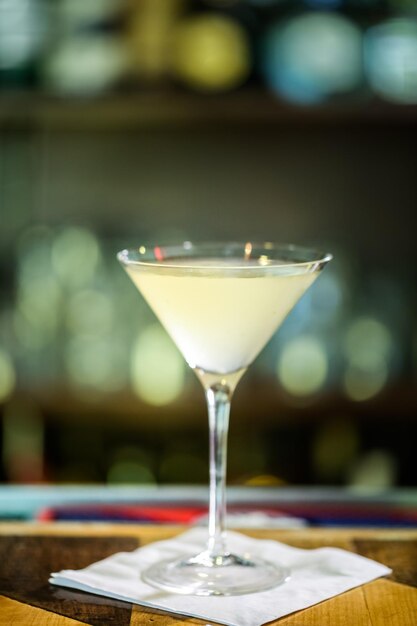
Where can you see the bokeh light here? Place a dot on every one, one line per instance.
(34, 254)
(90, 312)
(157, 368)
(368, 343)
(363, 384)
(94, 362)
(210, 53)
(38, 301)
(391, 60)
(39, 296)
(75, 256)
(131, 464)
(313, 56)
(126, 472)
(302, 365)
(176, 468)
(85, 65)
(7, 375)
(376, 469)
(264, 480)
(335, 446)
(22, 31)
(368, 348)
(125, 155)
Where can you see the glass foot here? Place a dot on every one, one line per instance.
(204, 575)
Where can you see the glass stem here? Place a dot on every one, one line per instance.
(218, 397)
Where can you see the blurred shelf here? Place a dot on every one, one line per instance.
(264, 403)
(150, 109)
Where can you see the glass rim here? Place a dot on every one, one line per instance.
(146, 255)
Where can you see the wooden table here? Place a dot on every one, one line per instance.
(29, 552)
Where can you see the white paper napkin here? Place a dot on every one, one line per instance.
(316, 575)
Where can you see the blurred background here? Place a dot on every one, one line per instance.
(124, 121)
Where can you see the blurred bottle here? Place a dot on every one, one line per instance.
(309, 58)
(211, 53)
(79, 15)
(23, 27)
(391, 60)
(149, 33)
(88, 55)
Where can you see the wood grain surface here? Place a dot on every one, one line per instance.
(29, 552)
(26, 563)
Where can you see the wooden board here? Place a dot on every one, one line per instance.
(28, 553)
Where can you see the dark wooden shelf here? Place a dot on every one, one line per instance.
(148, 109)
(264, 402)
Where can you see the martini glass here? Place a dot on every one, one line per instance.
(221, 303)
